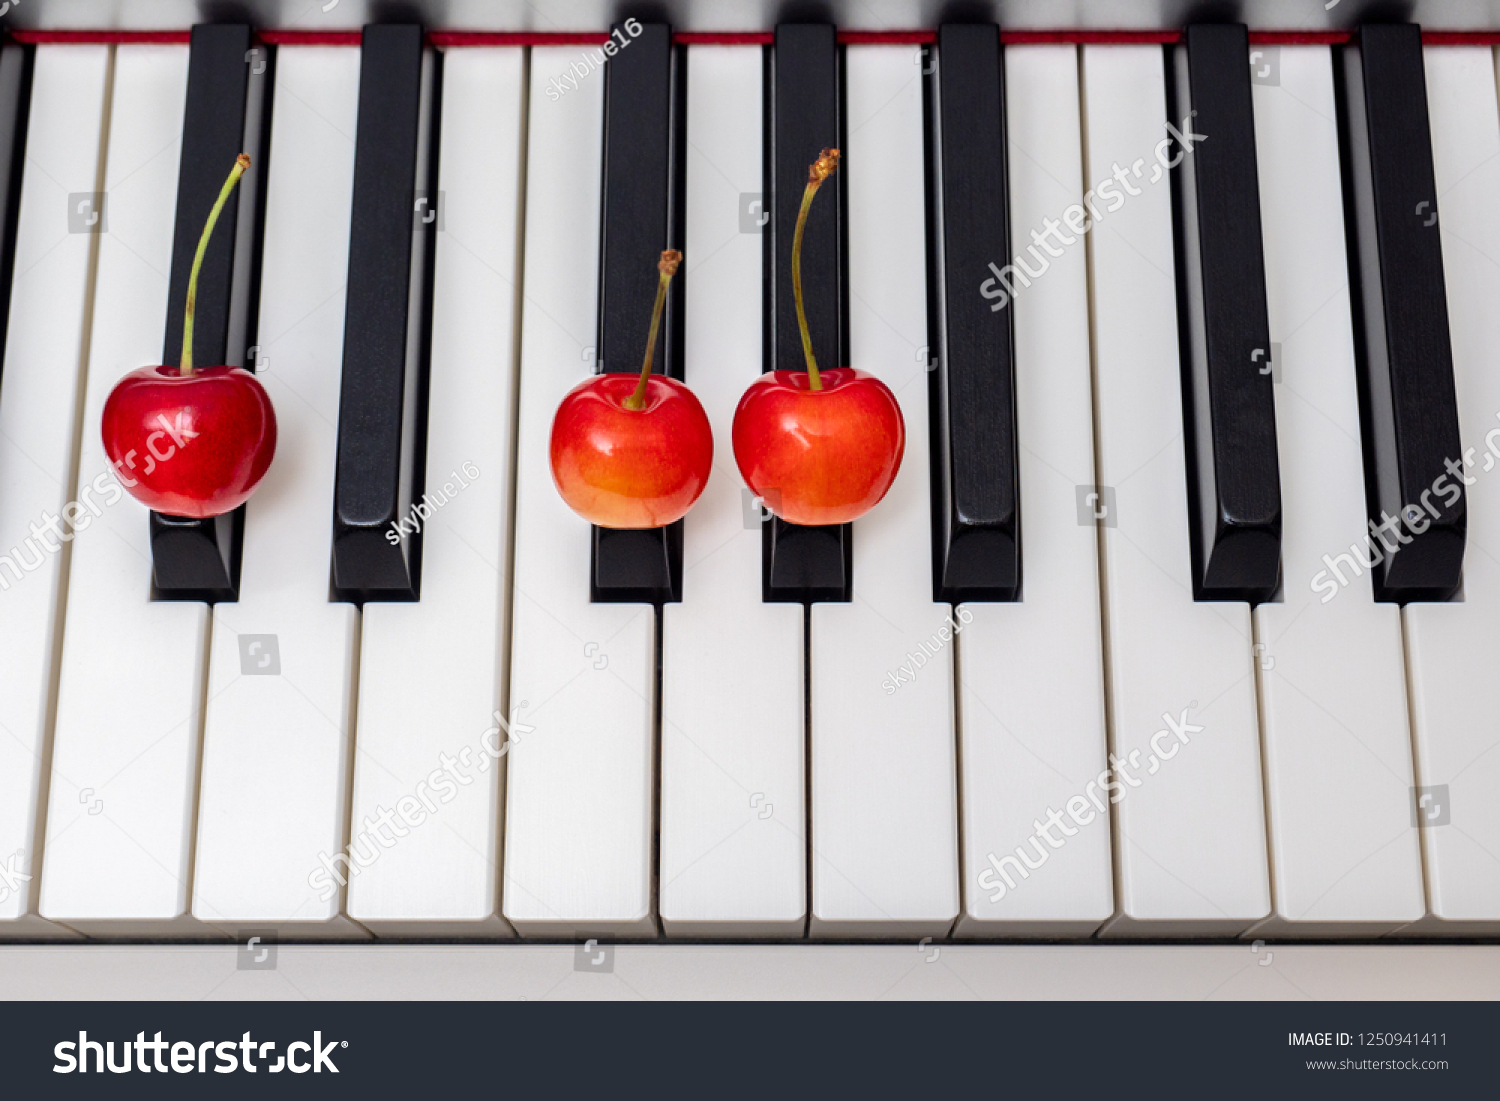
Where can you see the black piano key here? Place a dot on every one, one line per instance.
(804, 116)
(642, 214)
(806, 563)
(1408, 399)
(637, 565)
(1229, 405)
(15, 108)
(382, 421)
(226, 114)
(976, 503)
(201, 558)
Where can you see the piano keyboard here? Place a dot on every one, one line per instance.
(1105, 663)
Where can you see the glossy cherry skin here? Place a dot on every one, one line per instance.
(631, 468)
(189, 445)
(819, 456)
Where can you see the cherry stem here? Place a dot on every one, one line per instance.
(667, 266)
(241, 163)
(820, 170)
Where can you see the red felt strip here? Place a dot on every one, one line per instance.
(724, 38)
(309, 38)
(886, 38)
(729, 38)
(516, 38)
(102, 38)
(1088, 38)
(1299, 38)
(1461, 38)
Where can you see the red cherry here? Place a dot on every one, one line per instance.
(631, 468)
(819, 456)
(191, 442)
(818, 447)
(633, 451)
(189, 445)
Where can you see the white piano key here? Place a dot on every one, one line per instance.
(733, 853)
(431, 672)
(125, 752)
(1032, 672)
(1190, 844)
(272, 803)
(1455, 694)
(579, 812)
(884, 804)
(1344, 856)
(49, 311)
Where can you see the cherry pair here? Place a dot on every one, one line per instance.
(817, 447)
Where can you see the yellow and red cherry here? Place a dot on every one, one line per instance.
(188, 441)
(628, 451)
(823, 456)
(818, 447)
